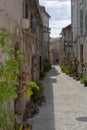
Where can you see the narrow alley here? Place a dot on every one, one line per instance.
(37, 37)
(66, 103)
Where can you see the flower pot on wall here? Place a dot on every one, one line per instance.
(85, 83)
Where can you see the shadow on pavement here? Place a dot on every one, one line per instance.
(45, 119)
(49, 123)
(51, 76)
(54, 72)
(82, 119)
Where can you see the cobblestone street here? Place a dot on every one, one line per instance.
(66, 105)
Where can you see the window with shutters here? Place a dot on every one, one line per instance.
(86, 25)
(33, 24)
(26, 9)
(81, 19)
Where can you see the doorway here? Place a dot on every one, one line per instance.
(81, 56)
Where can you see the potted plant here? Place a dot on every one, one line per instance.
(84, 80)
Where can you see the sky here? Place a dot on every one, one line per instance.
(60, 12)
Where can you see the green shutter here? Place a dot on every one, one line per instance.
(81, 22)
(72, 36)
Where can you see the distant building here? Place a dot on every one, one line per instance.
(54, 50)
(67, 41)
(46, 31)
(22, 18)
(51, 50)
(61, 50)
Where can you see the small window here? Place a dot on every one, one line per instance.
(26, 10)
(33, 24)
(86, 25)
(81, 22)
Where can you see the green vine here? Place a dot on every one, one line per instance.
(9, 72)
(29, 86)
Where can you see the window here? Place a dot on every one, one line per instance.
(86, 25)
(26, 10)
(33, 24)
(72, 36)
(26, 15)
(46, 29)
(81, 19)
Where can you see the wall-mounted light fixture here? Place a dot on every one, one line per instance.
(67, 43)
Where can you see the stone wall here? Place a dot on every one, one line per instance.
(11, 21)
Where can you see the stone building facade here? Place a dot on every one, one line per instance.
(61, 50)
(46, 31)
(10, 21)
(51, 53)
(22, 18)
(54, 49)
(79, 27)
(67, 41)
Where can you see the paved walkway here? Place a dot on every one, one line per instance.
(66, 105)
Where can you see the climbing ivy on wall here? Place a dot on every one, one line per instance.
(9, 72)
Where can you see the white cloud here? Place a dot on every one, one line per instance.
(56, 3)
(43, 2)
(60, 0)
(60, 12)
(56, 27)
